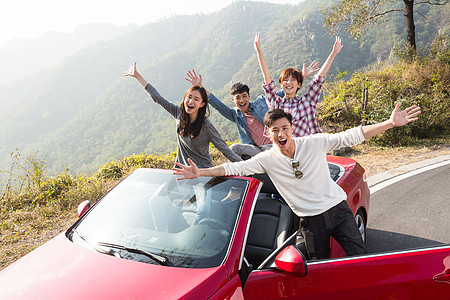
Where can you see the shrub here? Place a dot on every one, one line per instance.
(369, 98)
(30, 187)
(117, 169)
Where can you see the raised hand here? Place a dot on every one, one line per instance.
(257, 43)
(308, 71)
(188, 172)
(337, 47)
(400, 118)
(132, 71)
(193, 78)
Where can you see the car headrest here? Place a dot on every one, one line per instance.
(268, 186)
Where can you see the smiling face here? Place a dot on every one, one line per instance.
(242, 101)
(290, 86)
(280, 132)
(291, 80)
(193, 102)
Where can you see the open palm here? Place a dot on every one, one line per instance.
(188, 172)
(193, 78)
(400, 118)
(131, 71)
(308, 71)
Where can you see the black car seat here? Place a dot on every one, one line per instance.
(272, 223)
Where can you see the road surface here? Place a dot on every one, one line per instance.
(412, 213)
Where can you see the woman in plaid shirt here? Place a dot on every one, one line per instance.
(303, 109)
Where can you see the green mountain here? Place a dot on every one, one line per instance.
(83, 112)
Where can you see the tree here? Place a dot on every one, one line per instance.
(356, 16)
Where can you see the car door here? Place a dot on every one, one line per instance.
(416, 274)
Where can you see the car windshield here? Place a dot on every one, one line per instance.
(188, 222)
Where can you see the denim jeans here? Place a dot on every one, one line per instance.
(247, 151)
(337, 222)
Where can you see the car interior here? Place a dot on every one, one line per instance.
(273, 226)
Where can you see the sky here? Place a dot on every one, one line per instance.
(32, 18)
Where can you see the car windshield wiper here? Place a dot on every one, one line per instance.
(158, 258)
(109, 252)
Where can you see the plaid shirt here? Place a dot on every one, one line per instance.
(303, 109)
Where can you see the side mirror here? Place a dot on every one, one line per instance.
(83, 208)
(292, 260)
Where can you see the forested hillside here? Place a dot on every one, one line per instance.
(83, 112)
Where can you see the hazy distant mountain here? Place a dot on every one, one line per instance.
(83, 112)
(24, 57)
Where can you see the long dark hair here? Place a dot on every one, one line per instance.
(185, 127)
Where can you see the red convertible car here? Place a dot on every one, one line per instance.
(155, 237)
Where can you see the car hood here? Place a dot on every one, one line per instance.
(61, 269)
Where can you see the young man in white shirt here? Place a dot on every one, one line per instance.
(299, 170)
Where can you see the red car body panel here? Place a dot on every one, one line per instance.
(353, 182)
(407, 275)
(61, 269)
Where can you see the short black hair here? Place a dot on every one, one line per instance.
(275, 114)
(239, 88)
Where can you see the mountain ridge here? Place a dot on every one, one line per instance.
(38, 54)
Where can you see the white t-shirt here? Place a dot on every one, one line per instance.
(315, 192)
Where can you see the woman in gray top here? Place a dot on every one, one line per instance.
(194, 130)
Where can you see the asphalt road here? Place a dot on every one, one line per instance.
(411, 213)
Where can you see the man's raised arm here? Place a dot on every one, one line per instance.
(192, 171)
